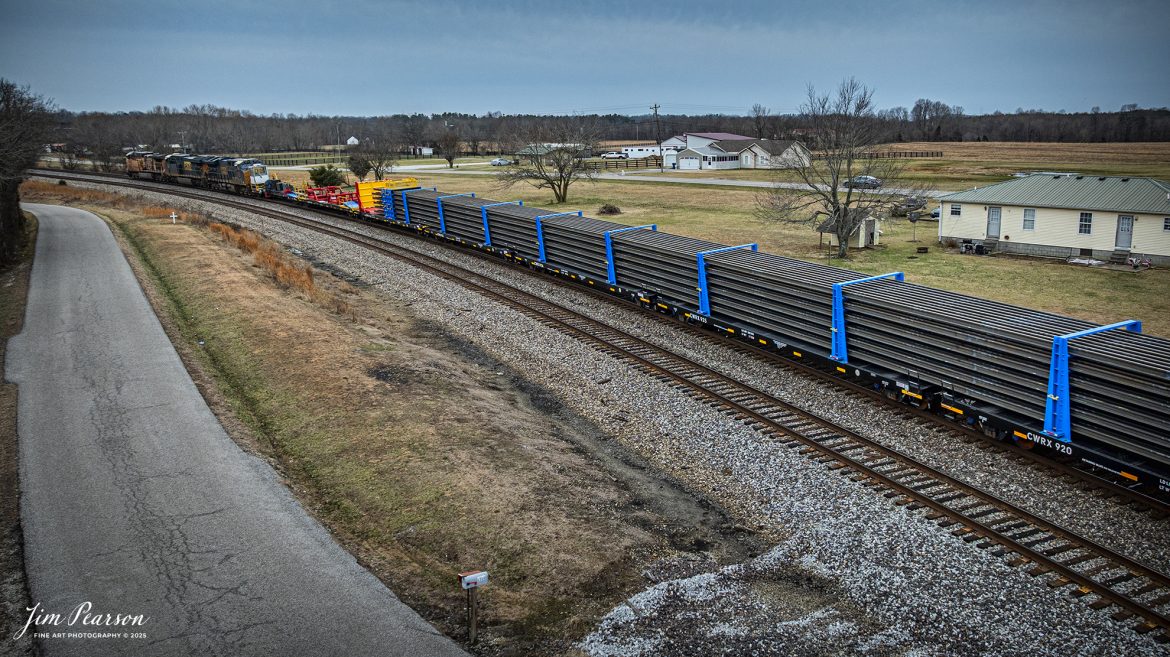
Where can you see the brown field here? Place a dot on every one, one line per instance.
(975, 164)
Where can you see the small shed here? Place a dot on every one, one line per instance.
(352, 141)
(866, 234)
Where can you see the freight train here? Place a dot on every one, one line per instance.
(1097, 394)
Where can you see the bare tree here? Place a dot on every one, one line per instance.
(25, 121)
(381, 151)
(760, 120)
(553, 156)
(449, 142)
(846, 131)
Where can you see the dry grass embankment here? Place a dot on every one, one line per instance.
(423, 455)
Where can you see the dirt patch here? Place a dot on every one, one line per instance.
(14, 595)
(424, 455)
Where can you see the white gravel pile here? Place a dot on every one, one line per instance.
(852, 573)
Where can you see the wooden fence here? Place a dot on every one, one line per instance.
(880, 155)
(652, 162)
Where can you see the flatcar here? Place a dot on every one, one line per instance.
(1097, 394)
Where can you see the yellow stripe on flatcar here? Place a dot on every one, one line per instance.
(1129, 476)
(1020, 434)
(762, 341)
(841, 370)
(952, 409)
(643, 300)
(797, 354)
(663, 306)
(911, 394)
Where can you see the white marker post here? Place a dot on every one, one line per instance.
(173, 217)
(471, 581)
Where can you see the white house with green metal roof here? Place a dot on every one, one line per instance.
(1063, 215)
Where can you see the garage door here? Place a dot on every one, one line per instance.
(690, 163)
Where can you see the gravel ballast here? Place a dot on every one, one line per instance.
(850, 571)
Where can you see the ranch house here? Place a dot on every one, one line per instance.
(1063, 215)
(723, 150)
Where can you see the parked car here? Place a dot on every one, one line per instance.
(907, 205)
(501, 162)
(614, 155)
(864, 182)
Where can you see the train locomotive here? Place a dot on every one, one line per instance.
(234, 174)
(1099, 395)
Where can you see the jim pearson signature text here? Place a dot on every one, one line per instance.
(80, 615)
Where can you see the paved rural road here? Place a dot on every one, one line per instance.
(135, 500)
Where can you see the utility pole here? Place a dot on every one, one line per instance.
(658, 136)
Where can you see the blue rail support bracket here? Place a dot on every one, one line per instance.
(840, 350)
(439, 202)
(388, 204)
(1057, 411)
(540, 229)
(611, 272)
(701, 259)
(487, 232)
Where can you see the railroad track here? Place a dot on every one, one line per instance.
(1132, 591)
(1114, 489)
(1155, 509)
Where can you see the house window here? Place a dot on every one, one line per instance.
(956, 210)
(1029, 219)
(1086, 225)
(1166, 224)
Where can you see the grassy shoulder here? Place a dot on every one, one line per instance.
(424, 456)
(14, 596)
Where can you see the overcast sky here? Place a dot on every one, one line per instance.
(546, 56)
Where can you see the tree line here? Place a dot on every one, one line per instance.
(211, 129)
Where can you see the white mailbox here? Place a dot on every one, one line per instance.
(473, 579)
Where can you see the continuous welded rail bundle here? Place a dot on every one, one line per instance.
(1099, 394)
